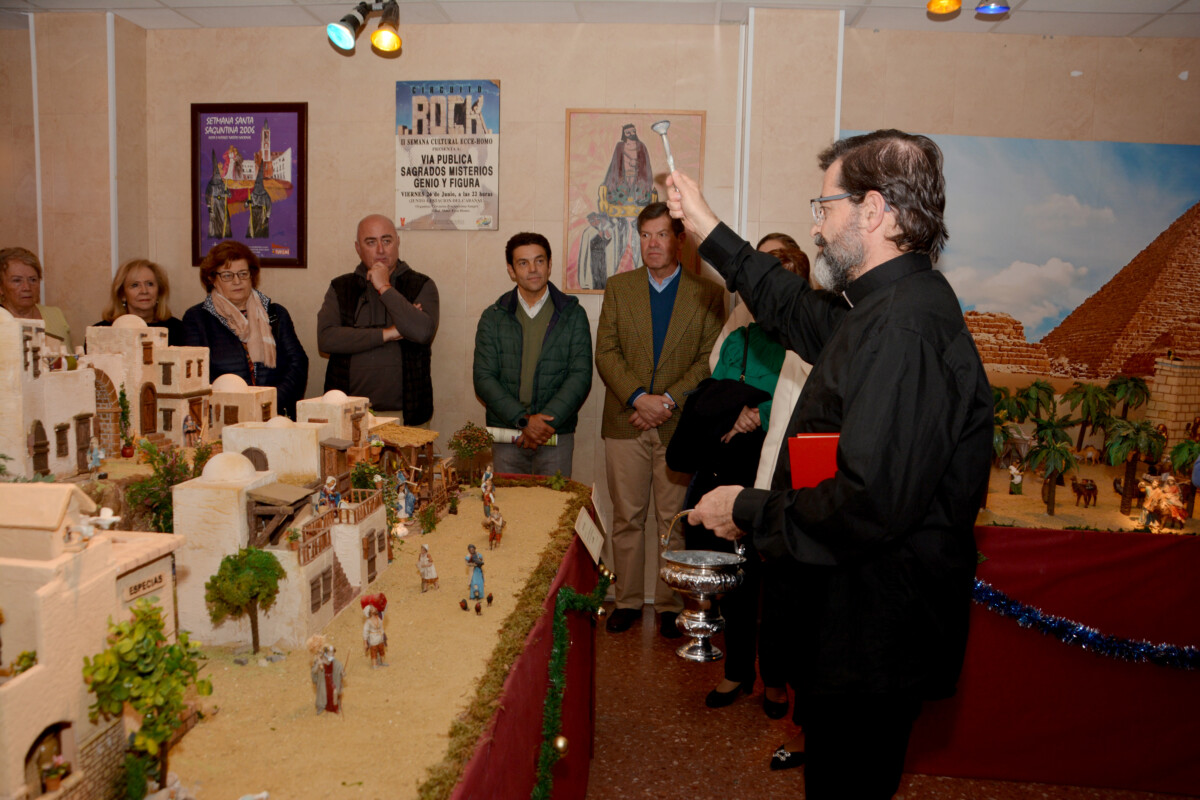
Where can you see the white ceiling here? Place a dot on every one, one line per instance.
(1156, 18)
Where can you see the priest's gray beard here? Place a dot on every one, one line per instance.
(838, 260)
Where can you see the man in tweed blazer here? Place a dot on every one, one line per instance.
(657, 327)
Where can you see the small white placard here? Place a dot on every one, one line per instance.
(590, 533)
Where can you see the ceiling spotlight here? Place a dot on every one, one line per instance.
(943, 6)
(386, 37)
(343, 32)
(992, 7)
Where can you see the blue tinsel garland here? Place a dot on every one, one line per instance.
(1068, 632)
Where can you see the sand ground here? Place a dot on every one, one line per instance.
(266, 734)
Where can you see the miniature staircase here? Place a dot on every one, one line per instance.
(343, 592)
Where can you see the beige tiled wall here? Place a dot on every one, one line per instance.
(18, 210)
(543, 70)
(1128, 90)
(73, 130)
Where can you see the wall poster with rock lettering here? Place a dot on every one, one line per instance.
(447, 155)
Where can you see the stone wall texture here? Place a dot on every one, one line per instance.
(1000, 340)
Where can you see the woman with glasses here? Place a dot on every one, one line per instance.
(20, 290)
(140, 288)
(246, 333)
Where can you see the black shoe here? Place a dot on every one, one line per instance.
(621, 619)
(717, 699)
(773, 709)
(667, 626)
(785, 759)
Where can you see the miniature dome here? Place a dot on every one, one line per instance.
(228, 467)
(279, 422)
(229, 383)
(129, 321)
(334, 396)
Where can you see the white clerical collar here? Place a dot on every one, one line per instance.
(532, 310)
(660, 287)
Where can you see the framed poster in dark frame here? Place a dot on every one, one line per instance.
(250, 179)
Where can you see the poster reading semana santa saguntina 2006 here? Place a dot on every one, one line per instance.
(447, 155)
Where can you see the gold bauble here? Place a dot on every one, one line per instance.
(561, 744)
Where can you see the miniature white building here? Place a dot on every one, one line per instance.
(163, 384)
(344, 417)
(46, 416)
(233, 401)
(337, 557)
(57, 598)
(291, 449)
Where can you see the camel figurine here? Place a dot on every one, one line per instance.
(1084, 490)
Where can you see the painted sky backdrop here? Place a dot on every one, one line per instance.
(1038, 226)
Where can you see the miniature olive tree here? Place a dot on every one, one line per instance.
(1127, 442)
(246, 582)
(467, 442)
(143, 669)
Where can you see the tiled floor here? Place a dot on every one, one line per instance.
(656, 739)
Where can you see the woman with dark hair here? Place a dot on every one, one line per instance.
(246, 333)
(744, 351)
(141, 288)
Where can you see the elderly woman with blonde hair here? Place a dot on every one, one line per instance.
(141, 288)
(20, 291)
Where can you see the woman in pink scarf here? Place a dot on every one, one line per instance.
(245, 332)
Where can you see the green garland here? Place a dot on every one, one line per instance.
(567, 600)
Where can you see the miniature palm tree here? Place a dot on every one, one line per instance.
(1005, 403)
(1126, 443)
(1035, 398)
(1183, 459)
(1094, 404)
(1129, 391)
(246, 582)
(1053, 429)
(143, 668)
(1055, 457)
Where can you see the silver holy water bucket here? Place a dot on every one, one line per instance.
(701, 576)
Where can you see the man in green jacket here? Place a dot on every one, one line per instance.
(533, 364)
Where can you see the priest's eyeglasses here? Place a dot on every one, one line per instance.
(818, 210)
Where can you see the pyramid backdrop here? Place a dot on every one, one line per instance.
(1149, 307)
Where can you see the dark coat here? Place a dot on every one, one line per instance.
(226, 353)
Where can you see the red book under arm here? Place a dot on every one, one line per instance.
(813, 457)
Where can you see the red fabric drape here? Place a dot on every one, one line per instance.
(1031, 708)
(504, 765)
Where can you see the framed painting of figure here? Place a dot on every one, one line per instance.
(250, 179)
(616, 165)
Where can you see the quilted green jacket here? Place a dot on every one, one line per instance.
(564, 371)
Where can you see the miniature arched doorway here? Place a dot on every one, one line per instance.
(149, 406)
(55, 740)
(257, 457)
(41, 449)
(108, 414)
